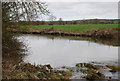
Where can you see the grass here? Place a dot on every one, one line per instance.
(73, 27)
(40, 74)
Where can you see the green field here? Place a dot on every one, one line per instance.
(74, 27)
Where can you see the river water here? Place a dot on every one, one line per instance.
(64, 51)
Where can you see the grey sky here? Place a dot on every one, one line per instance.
(84, 10)
(80, 0)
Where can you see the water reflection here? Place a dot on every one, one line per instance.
(59, 51)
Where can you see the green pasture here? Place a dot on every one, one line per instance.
(73, 27)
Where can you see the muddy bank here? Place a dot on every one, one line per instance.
(86, 71)
(21, 70)
(98, 33)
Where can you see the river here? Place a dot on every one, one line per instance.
(65, 51)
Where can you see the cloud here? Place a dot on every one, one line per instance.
(87, 10)
(81, 0)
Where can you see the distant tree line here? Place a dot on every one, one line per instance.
(61, 22)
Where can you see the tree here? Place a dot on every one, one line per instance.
(15, 12)
(60, 21)
(51, 19)
(84, 22)
(74, 22)
(96, 21)
(29, 11)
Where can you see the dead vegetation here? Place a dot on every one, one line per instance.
(92, 75)
(23, 70)
(113, 68)
(92, 71)
(98, 33)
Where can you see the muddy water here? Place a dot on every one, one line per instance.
(62, 51)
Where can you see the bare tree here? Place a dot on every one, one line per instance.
(21, 10)
(17, 11)
(51, 19)
(60, 21)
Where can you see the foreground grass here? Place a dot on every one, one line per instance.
(73, 27)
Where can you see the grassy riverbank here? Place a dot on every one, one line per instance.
(86, 30)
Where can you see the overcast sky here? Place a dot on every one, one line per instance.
(83, 10)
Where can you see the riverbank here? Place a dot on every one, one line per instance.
(13, 66)
(22, 70)
(98, 33)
